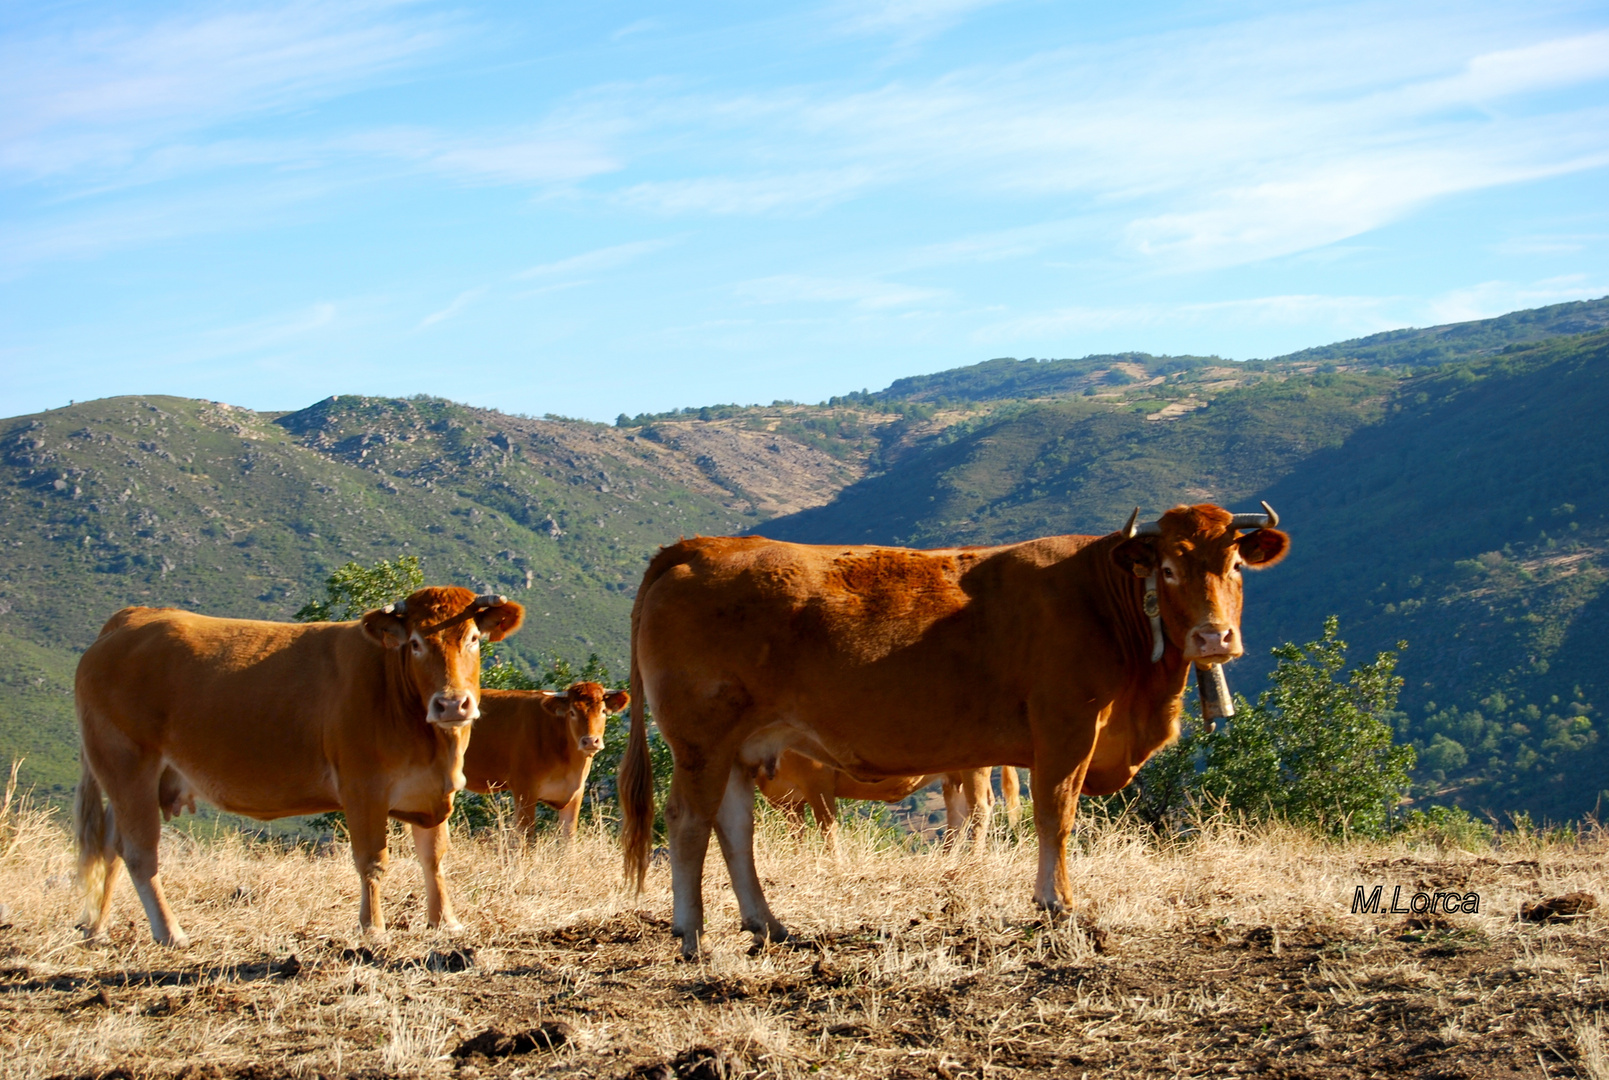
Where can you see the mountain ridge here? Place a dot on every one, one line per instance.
(171, 501)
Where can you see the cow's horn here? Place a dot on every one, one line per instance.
(1150, 528)
(399, 609)
(1266, 520)
(490, 600)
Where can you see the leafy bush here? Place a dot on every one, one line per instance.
(1447, 827)
(1313, 750)
(354, 589)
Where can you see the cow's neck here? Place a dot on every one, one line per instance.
(551, 734)
(404, 707)
(1153, 689)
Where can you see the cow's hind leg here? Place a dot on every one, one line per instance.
(825, 808)
(430, 846)
(689, 814)
(734, 824)
(138, 816)
(968, 801)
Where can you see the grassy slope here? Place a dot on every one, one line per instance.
(1486, 474)
(162, 501)
(1462, 510)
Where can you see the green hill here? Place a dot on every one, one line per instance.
(1444, 486)
(1463, 509)
(164, 501)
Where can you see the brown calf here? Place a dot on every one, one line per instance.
(538, 745)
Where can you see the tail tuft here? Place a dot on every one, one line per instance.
(93, 828)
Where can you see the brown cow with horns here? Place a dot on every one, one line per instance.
(1067, 655)
(271, 719)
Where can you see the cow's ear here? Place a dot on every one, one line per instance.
(1265, 547)
(385, 628)
(557, 704)
(500, 621)
(1136, 556)
(615, 700)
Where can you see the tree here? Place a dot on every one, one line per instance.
(354, 589)
(1313, 750)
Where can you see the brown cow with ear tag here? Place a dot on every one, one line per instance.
(273, 719)
(1067, 655)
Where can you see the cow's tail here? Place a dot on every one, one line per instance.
(95, 832)
(635, 782)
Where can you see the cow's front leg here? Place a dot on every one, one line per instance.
(569, 813)
(366, 825)
(430, 846)
(1057, 778)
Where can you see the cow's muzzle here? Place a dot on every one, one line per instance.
(1209, 644)
(451, 710)
(590, 744)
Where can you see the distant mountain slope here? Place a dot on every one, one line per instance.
(166, 501)
(1011, 379)
(1473, 521)
(1461, 341)
(1465, 509)
(1460, 506)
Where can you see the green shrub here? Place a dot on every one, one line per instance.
(1314, 750)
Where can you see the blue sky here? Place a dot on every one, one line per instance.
(594, 208)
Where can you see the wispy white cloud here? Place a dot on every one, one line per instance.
(459, 303)
(1492, 298)
(791, 192)
(534, 156)
(1365, 314)
(858, 292)
(631, 29)
(1549, 244)
(1229, 144)
(592, 262)
(906, 19)
(98, 99)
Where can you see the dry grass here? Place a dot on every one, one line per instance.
(1233, 953)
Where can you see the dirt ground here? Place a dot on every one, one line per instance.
(1236, 953)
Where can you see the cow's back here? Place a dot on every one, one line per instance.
(255, 714)
(898, 661)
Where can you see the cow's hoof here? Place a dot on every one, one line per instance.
(175, 941)
(454, 927)
(1051, 907)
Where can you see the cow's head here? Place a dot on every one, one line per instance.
(437, 634)
(585, 707)
(1197, 554)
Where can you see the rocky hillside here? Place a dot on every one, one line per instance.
(1445, 487)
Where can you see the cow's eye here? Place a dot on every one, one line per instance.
(418, 647)
(474, 642)
(1167, 572)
